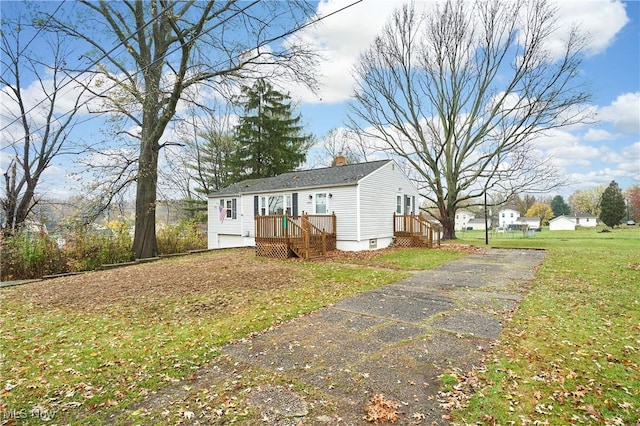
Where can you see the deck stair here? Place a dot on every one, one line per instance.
(299, 236)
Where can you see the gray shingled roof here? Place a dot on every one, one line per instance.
(348, 174)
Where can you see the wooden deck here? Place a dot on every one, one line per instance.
(305, 236)
(415, 231)
(312, 236)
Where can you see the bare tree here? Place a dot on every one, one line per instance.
(198, 165)
(171, 52)
(462, 92)
(37, 128)
(339, 142)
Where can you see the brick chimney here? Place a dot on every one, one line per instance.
(339, 160)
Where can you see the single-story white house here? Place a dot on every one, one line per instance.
(586, 220)
(507, 217)
(477, 224)
(462, 218)
(532, 222)
(364, 198)
(562, 223)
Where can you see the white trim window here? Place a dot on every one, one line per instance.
(228, 209)
(321, 203)
(232, 206)
(263, 206)
(399, 204)
(408, 205)
(275, 205)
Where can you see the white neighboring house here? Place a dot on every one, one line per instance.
(532, 222)
(507, 217)
(462, 219)
(363, 196)
(477, 224)
(562, 223)
(586, 220)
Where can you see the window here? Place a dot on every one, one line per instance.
(511, 214)
(228, 208)
(399, 204)
(275, 205)
(287, 204)
(407, 205)
(321, 203)
(263, 206)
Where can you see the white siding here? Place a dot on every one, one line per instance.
(532, 223)
(364, 244)
(217, 230)
(378, 201)
(562, 223)
(343, 204)
(507, 217)
(462, 218)
(587, 222)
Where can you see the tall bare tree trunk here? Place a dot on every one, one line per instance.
(144, 241)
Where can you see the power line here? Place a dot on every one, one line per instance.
(86, 69)
(262, 44)
(42, 27)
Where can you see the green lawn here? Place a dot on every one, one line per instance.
(571, 354)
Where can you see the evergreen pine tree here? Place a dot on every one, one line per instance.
(559, 206)
(269, 138)
(612, 206)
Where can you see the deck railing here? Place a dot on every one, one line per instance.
(279, 235)
(416, 227)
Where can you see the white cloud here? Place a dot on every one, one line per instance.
(343, 36)
(599, 19)
(340, 39)
(624, 113)
(596, 135)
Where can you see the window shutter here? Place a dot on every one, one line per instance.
(413, 205)
(294, 204)
(255, 205)
(234, 208)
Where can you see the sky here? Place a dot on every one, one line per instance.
(588, 155)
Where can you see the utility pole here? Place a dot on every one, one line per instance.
(486, 226)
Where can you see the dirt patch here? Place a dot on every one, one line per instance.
(209, 274)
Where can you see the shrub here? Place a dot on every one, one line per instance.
(187, 235)
(89, 249)
(28, 255)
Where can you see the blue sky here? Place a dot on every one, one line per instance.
(589, 155)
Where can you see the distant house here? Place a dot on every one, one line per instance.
(462, 219)
(507, 217)
(348, 206)
(586, 220)
(531, 222)
(477, 224)
(562, 223)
